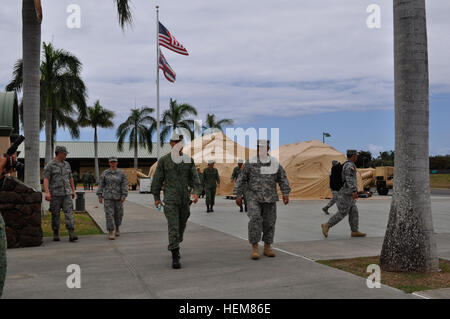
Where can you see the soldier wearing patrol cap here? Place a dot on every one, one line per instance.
(260, 177)
(234, 176)
(113, 190)
(176, 171)
(60, 191)
(346, 198)
(211, 181)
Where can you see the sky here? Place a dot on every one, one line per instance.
(305, 67)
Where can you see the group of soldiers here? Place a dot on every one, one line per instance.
(88, 180)
(255, 181)
(255, 187)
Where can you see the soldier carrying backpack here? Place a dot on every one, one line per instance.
(335, 184)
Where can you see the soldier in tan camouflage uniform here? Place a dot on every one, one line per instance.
(346, 198)
(113, 190)
(234, 176)
(60, 191)
(260, 175)
(177, 172)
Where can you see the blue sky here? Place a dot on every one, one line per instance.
(303, 66)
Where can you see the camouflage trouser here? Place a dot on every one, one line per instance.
(210, 195)
(332, 200)
(346, 206)
(113, 213)
(66, 204)
(3, 245)
(177, 216)
(262, 221)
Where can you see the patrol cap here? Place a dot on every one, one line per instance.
(334, 163)
(211, 161)
(113, 159)
(240, 160)
(61, 149)
(263, 142)
(176, 137)
(350, 153)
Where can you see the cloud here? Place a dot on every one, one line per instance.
(248, 58)
(375, 149)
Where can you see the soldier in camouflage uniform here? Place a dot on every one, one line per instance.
(3, 244)
(85, 180)
(212, 181)
(261, 175)
(202, 186)
(234, 176)
(346, 199)
(91, 182)
(113, 190)
(176, 171)
(60, 191)
(335, 193)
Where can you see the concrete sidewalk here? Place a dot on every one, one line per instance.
(137, 265)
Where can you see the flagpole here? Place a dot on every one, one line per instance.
(158, 128)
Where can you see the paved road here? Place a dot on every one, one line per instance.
(216, 261)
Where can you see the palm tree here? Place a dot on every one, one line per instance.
(177, 116)
(409, 243)
(31, 47)
(61, 89)
(139, 127)
(211, 123)
(97, 116)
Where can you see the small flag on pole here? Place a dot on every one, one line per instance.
(165, 67)
(168, 41)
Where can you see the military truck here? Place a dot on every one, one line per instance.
(384, 179)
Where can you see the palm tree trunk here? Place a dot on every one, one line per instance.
(135, 149)
(97, 172)
(48, 134)
(31, 46)
(409, 243)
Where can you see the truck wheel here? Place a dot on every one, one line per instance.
(382, 191)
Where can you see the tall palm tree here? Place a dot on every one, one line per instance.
(177, 116)
(61, 91)
(409, 243)
(211, 123)
(31, 47)
(98, 117)
(139, 127)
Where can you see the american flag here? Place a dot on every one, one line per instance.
(165, 67)
(168, 41)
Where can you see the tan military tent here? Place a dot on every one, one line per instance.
(308, 165)
(223, 150)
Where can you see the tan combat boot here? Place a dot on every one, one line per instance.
(255, 252)
(268, 251)
(358, 234)
(325, 229)
(111, 235)
(117, 231)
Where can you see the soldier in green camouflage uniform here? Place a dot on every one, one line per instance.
(260, 175)
(3, 240)
(346, 199)
(202, 185)
(177, 172)
(113, 189)
(234, 176)
(3, 244)
(212, 181)
(60, 191)
(333, 192)
(85, 180)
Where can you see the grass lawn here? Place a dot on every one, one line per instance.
(408, 282)
(84, 225)
(440, 180)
